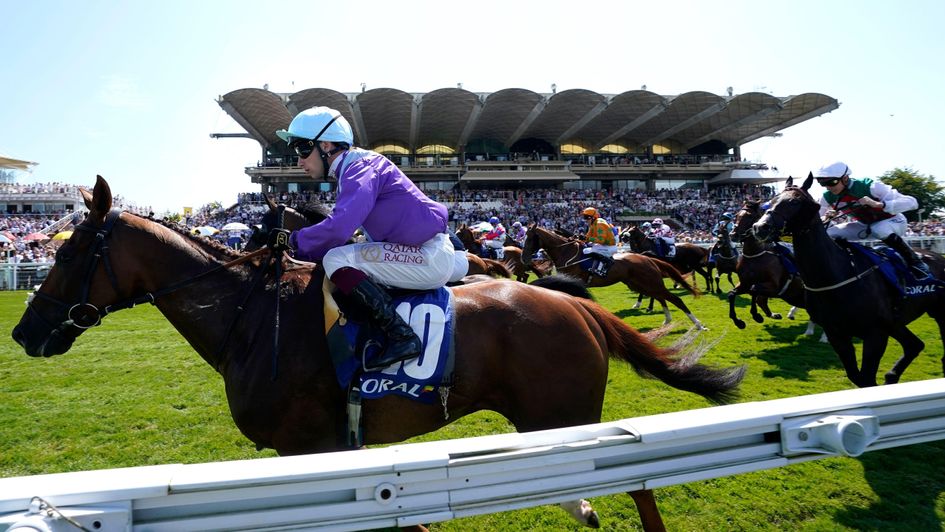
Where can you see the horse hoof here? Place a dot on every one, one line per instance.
(758, 319)
(776, 316)
(890, 378)
(740, 324)
(593, 521)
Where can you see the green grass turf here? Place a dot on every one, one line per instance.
(132, 393)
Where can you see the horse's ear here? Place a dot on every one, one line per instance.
(809, 181)
(789, 182)
(270, 202)
(100, 200)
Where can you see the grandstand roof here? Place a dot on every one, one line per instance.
(15, 164)
(454, 117)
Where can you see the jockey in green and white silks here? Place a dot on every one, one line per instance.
(876, 209)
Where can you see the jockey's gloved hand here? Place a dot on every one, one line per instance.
(279, 240)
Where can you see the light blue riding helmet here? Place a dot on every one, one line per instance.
(318, 124)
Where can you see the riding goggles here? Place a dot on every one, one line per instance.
(828, 181)
(304, 148)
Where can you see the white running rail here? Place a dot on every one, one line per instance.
(436, 481)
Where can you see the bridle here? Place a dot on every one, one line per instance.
(83, 314)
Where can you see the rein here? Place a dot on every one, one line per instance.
(862, 274)
(572, 261)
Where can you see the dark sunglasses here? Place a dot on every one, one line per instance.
(828, 182)
(304, 148)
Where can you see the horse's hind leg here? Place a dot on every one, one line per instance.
(763, 304)
(674, 299)
(911, 347)
(639, 302)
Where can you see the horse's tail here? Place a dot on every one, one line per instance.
(670, 271)
(497, 269)
(676, 366)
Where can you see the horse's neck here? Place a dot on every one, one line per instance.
(820, 260)
(557, 248)
(202, 308)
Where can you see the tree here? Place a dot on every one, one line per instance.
(924, 188)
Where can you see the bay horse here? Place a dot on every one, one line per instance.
(513, 255)
(289, 399)
(689, 258)
(761, 273)
(638, 272)
(725, 260)
(845, 292)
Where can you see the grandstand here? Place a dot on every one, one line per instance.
(452, 138)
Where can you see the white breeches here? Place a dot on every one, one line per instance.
(878, 230)
(429, 265)
(496, 245)
(600, 249)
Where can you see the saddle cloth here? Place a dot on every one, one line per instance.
(351, 342)
(896, 271)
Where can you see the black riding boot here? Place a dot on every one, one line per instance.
(909, 254)
(402, 343)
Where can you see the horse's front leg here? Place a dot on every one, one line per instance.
(874, 346)
(582, 512)
(639, 302)
(731, 307)
(843, 345)
(755, 315)
(912, 345)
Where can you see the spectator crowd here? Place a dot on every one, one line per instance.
(693, 211)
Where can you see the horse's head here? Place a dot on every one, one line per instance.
(532, 243)
(745, 217)
(292, 220)
(80, 283)
(634, 236)
(792, 210)
(465, 235)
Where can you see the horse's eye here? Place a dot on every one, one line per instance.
(64, 256)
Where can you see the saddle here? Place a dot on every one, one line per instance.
(599, 265)
(786, 256)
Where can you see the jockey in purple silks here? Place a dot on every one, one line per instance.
(407, 236)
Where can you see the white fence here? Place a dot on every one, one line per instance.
(436, 481)
(22, 276)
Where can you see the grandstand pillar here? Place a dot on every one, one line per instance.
(737, 153)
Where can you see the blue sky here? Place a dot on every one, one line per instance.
(128, 89)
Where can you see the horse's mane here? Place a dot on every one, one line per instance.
(213, 245)
(313, 212)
